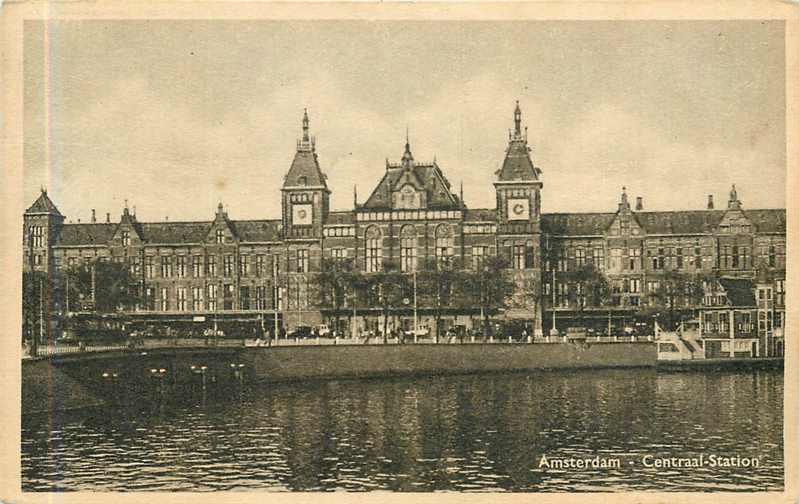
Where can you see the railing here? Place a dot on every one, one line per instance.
(51, 350)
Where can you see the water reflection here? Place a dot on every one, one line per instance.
(482, 432)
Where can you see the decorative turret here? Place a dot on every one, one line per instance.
(41, 224)
(624, 204)
(407, 157)
(734, 202)
(517, 165)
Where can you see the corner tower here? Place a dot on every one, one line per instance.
(306, 198)
(41, 224)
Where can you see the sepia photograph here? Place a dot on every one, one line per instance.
(403, 254)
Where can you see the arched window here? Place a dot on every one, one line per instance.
(445, 243)
(374, 249)
(408, 249)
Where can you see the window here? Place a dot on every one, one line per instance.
(599, 258)
(518, 257)
(166, 266)
(772, 256)
(197, 266)
(277, 299)
(634, 259)
(259, 265)
(408, 249)
(244, 265)
(180, 266)
(164, 298)
(228, 265)
(244, 297)
(220, 236)
(213, 294)
(562, 295)
(580, 256)
(38, 236)
(679, 258)
(615, 258)
(181, 298)
(478, 256)
(445, 243)
(135, 266)
(697, 258)
(125, 238)
(211, 266)
(37, 259)
(260, 297)
(373, 250)
(779, 291)
(197, 298)
(735, 261)
(149, 267)
(725, 256)
(635, 285)
(744, 257)
(339, 254)
(149, 298)
(227, 297)
(302, 261)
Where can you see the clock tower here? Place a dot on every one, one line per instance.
(518, 187)
(518, 191)
(306, 198)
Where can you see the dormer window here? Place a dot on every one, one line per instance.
(304, 180)
(220, 236)
(125, 239)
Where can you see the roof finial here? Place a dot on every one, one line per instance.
(355, 195)
(305, 125)
(126, 203)
(517, 119)
(43, 189)
(407, 157)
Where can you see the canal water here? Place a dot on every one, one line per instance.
(463, 433)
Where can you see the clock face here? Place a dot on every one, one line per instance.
(302, 215)
(518, 209)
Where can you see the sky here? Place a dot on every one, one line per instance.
(176, 116)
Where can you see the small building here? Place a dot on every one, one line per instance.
(728, 319)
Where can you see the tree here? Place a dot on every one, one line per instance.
(588, 287)
(439, 285)
(676, 288)
(335, 283)
(386, 288)
(489, 286)
(115, 288)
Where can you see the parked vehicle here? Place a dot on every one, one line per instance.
(301, 332)
(325, 331)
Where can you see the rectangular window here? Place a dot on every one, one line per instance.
(599, 258)
(562, 296)
(697, 258)
(125, 238)
(373, 254)
(149, 267)
(197, 266)
(135, 266)
(615, 258)
(180, 266)
(735, 261)
(166, 266)
(244, 265)
(679, 258)
(580, 257)
(478, 256)
(220, 236)
(259, 266)
(634, 259)
(302, 261)
(244, 297)
(227, 297)
(518, 257)
(181, 298)
(211, 266)
(228, 265)
(260, 297)
(213, 295)
(772, 256)
(197, 299)
(408, 254)
(635, 285)
(164, 298)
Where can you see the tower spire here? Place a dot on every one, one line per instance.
(517, 119)
(407, 157)
(306, 143)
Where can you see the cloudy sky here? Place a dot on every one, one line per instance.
(175, 116)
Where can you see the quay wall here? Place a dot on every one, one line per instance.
(75, 381)
(330, 361)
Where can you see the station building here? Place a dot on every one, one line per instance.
(262, 270)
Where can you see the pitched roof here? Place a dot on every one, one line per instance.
(168, 233)
(576, 224)
(305, 170)
(343, 217)
(480, 215)
(740, 291)
(517, 165)
(769, 220)
(428, 175)
(43, 204)
(680, 222)
(86, 234)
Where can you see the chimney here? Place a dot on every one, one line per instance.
(94, 216)
(639, 203)
(108, 217)
(710, 202)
